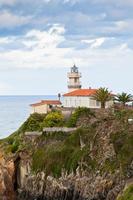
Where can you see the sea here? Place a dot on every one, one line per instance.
(14, 110)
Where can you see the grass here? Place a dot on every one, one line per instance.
(127, 194)
(123, 145)
(66, 154)
(79, 112)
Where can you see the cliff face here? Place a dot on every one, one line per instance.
(95, 162)
(79, 186)
(7, 171)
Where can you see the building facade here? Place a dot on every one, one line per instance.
(45, 106)
(83, 98)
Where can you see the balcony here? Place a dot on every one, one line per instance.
(74, 75)
(74, 86)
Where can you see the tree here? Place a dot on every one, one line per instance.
(123, 98)
(102, 95)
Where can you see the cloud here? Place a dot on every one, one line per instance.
(45, 39)
(10, 20)
(43, 49)
(4, 40)
(114, 2)
(95, 43)
(98, 42)
(71, 1)
(7, 2)
(120, 27)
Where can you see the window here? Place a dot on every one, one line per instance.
(97, 103)
(50, 106)
(75, 80)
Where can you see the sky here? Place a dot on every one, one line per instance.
(41, 39)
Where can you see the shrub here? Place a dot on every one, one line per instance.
(123, 145)
(53, 119)
(79, 112)
(33, 123)
(127, 194)
(15, 146)
(10, 140)
(123, 114)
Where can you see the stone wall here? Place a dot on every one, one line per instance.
(59, 129)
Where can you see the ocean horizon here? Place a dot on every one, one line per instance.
(15, 109)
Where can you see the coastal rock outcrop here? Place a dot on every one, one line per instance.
(93, 162)
(7, 171)
(79, 186)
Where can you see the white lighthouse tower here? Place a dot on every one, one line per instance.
(74, 79)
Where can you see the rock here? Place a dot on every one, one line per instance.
(7, 179)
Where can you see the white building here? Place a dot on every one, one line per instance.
(77, 97)
(45, 106)
(82, 98)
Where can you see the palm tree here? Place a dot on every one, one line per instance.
(123, 98)
(102, 95)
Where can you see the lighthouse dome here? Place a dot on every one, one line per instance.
(74, 69)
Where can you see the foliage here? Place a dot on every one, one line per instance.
(53, 119)
(123, 98)
(123, 145)
(123, 114)
(127, 194)
(81, 111)
(58, 136)
(110, 165)
(12, 143)
(33, 123)
(102, 95)
(15, 146)
(68, 155)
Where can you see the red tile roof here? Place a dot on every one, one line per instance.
(81, 92)
(46, 102)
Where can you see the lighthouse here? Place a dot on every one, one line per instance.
(74, 79)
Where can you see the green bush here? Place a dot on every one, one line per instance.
(123, 145)
(123, 114)
(127, 194)
(15, 146)
(110, 165)
(53, 119)
(10, 140)
(33, 123)
(79, 112)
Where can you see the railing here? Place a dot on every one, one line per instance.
(72, 75)
(74, 86)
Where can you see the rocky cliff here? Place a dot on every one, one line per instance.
(7, 191)
(95, 162)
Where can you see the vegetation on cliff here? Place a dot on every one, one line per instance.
(66, 154)
(101, 145)
(127, 193)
